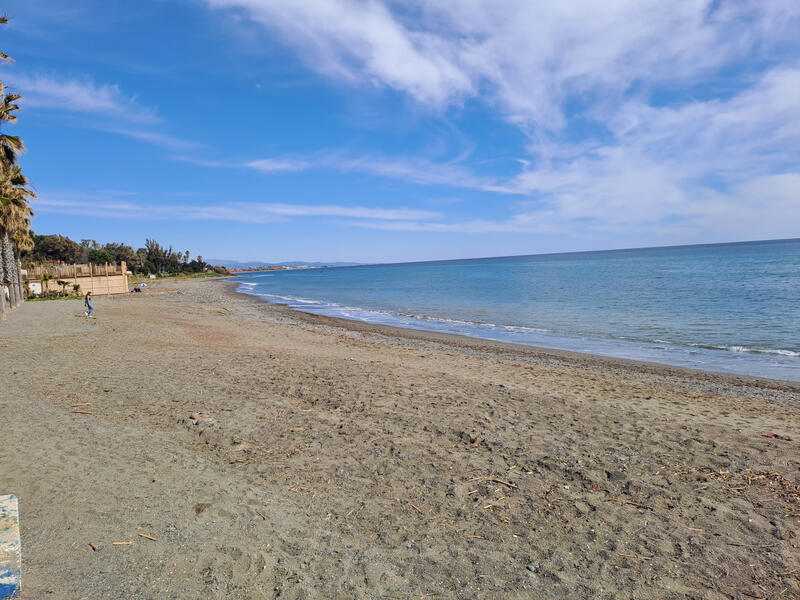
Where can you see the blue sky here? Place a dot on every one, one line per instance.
(343, 130)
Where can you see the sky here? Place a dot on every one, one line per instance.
(383, 131)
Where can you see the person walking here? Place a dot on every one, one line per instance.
(87, 302)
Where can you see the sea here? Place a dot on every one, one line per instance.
(732, 308)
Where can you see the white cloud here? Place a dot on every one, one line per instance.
(106, 205)
(276, 165)
(414, 170)
(156, 138)
(525, 57)
(81, 96)
(102, 107)
(673, 162)
(353, 39)
(664, 169)
(604, 92)
(255, 212)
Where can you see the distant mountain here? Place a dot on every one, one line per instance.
(235, 264)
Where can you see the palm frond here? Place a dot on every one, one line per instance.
(11, 146)
(12, 141)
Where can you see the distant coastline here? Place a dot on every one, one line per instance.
(259, 265)
(270, 268)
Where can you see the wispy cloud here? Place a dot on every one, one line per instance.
(410, 169)
(81, 96)
(276, 165)
(102, 107)
(156, 138)
(760, 208)
(525, 57)
(109, 206)
(658, 164)
(416, 170)
(354, 40)
(639, 115)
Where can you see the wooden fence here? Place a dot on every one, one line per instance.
(99, 279)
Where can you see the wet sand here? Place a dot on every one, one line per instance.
(344, 460)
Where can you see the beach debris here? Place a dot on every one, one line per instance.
(200, 507)
(505, 483)
(122, 543)
(200, 416)
(148, 537)
(416, 508)
(93, 547)
(260, 514)
(639, 556)
(775, 436)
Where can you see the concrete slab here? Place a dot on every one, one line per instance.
(10, 550)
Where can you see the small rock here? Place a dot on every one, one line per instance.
(533, 567)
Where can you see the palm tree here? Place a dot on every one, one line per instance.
(15, 211)
(5, 57)
(15, 236)
(11, 146)
(3, 307)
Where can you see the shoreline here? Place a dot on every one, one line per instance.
(653, 368)
(341, 460)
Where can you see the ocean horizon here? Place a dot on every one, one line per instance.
(729, 307)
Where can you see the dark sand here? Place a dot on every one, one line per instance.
(349, 461)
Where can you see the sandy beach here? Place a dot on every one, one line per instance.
(342, 460)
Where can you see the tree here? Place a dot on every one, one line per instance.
(99, 257)
(155, 254)
(56, 248)
(138, 260)
(46, 277)
(11, 146)
(15, 234)
(15, 196)
(120, 252)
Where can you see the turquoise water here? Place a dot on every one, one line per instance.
(722, 307)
